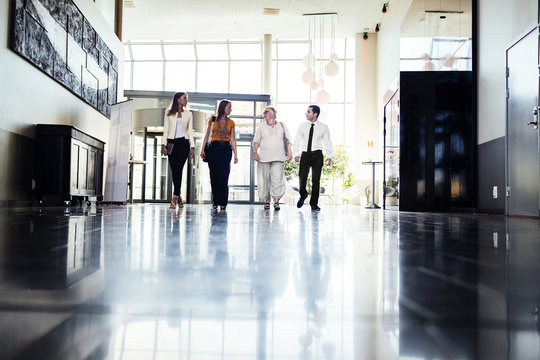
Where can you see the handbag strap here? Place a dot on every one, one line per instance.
(285, 140)
(283, 127)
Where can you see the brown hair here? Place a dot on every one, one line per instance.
(221, 108)
(174, 107)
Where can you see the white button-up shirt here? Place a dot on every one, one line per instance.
(321, 137)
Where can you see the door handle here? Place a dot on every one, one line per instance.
(535, 118)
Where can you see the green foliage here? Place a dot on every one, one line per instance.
(348, 180)
(291, 169)
(392, 187)
(340, 161)
(338, 168)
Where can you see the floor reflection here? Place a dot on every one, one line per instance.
(144, 282)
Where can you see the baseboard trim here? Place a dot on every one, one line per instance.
(490, 211)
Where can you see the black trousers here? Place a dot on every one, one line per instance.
(219, 163)
(177, 159)
(313, 160)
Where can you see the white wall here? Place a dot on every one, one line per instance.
(500, 24)
(388, 48)
(377, 67)
(28, 96)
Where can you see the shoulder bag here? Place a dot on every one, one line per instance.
(285, 141)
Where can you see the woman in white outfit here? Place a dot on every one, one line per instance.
(269, 151)
(177, 141)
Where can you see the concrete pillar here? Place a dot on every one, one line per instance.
(366, 123)
(267, 64)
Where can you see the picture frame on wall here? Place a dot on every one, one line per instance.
(55, 37)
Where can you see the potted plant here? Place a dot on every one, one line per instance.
(391, 190)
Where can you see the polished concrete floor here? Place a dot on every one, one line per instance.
(145, 282)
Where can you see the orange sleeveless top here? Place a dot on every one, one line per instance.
(215, 130)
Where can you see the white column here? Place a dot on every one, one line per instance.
(267, 64)
(366, 123)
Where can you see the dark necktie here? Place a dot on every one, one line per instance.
(310, 138)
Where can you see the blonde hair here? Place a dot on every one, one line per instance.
(273, 110)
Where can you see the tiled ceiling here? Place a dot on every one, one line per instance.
(241, 19)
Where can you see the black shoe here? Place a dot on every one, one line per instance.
(300, 202)
(315, 208)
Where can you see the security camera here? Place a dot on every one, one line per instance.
(365, 36)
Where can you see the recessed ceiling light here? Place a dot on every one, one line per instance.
(270, 11)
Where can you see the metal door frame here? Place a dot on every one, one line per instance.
(208, 102)
(384, 146)
(506, 145)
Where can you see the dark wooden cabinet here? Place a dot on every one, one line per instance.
(69, 164)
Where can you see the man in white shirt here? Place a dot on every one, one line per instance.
(310, 138)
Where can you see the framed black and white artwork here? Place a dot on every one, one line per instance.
(56, 37)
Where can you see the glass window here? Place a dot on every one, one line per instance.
(333, 84)
(292, 115)
(146, 52)
(290, 86)
(212, 77)
(242, 108)
(148, 76)
(295, 50)
(260, 108)
(243, 125)
(179, 52)
(212, 52)
(339, 48)
(351, 48)
(349, 123)
(246, 51)
(127, 55)
(180, 76)
(246, 77)
(127, 75)
(350, 80)
(333, 116)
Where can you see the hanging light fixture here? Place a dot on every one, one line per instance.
(314, 75)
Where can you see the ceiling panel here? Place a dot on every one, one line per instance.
(241, 19)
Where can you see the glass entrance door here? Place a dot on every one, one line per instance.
(242, 179)
(152, 181)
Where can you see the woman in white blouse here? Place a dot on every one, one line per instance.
(177, 141)
(270, 151)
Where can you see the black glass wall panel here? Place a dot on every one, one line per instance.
(437, 141)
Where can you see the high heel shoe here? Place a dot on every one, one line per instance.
(180, 202)
(174, 202)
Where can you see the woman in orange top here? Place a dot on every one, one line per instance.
(221, 131)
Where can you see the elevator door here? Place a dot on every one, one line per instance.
(522, 137)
